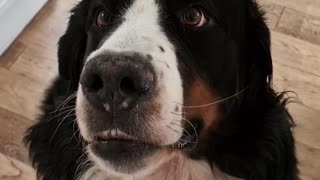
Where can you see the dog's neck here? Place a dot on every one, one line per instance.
(179, 168)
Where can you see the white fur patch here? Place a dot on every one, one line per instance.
(179, 168)
(141, 32)
(80, 112)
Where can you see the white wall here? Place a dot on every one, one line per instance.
(14, 16)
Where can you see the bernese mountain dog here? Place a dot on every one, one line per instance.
(164, 90)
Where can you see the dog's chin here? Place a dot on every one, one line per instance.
(125, 158)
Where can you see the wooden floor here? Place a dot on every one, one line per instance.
(27, 67)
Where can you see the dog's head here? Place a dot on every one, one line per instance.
(154, 77)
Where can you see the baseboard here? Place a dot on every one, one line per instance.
(14, 17)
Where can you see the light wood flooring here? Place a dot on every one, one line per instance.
(29, 64)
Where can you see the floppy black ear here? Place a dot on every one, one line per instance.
(259, 46)
(72, 44)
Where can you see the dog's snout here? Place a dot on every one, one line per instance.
(117, 80)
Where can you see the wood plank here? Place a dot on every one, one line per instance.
(307, 86)
(300, 25)
(307, 124)
(311, 7)
(11, 169)
(11, 55)
(273, 14)
(12, 132)
(309, 164)
(20, 94)
(39, 39)
(38, 64)
(296, 53)
(296, 68)
(50, 24)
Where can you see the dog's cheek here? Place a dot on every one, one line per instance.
(81, 114)
(199, 103)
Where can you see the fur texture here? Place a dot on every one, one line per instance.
(216, 78)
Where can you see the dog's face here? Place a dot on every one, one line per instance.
(149, 72)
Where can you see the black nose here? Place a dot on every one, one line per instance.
(117, 81)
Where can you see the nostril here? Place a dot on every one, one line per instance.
(136, 85)
(127, 86)
(93, 82)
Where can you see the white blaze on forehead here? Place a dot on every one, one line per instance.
(140, 24)
(141, 32)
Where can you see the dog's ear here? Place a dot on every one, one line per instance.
(259, 47)
(72, 44)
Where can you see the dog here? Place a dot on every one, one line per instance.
(164, 90)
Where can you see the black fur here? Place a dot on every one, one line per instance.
(253, 139)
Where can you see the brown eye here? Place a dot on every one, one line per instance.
(101, 19)
(194, 18)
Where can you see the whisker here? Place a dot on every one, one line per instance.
(188, 134)
(82, 164)
(181, 128)
(58, 115)
(186, 141)
(195, 131)
(65, 108)
(183, 113)
(70, 98)
(213, 103)
(67, 116)
(180, 132)
(68, 113)
(65, 101)
(75, 132)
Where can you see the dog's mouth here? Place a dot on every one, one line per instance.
(114, 135)
(126, 153)
(187, 141)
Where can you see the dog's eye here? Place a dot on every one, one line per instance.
(101, 19)
(194, 17)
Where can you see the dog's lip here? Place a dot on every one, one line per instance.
(187, 141)
(116, 135)
(113, 134)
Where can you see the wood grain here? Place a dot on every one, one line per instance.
(49, 24)
(308, 166)
(296, 68)
(305, 85)
(300, 25)
(307, 141)
(11, 55)
(12, 130)
(11, 169)
(295, 53)
(311, 7)
(20, 94)
(273, 14)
